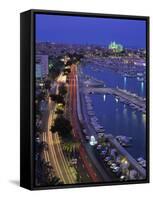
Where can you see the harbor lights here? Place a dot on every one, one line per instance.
(116, 99)
(125, 162)
(104, 97)
(41, 84)
(125, 166)
(92, 141)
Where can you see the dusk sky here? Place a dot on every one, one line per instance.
(87, 30)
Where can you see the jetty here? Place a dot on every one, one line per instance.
(123, 96)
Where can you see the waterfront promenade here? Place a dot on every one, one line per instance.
(133, 163)
(88, 87)
(114, 143)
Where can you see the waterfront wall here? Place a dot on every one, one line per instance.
(78, 101)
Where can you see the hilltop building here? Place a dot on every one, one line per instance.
(115, 47)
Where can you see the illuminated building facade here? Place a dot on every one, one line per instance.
(115, 47)
(41, 66)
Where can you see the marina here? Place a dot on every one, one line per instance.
(123, 96)
(90, 100)
(113, 141)
(124, 110)
(114, 79)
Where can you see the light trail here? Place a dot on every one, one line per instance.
(53, 153)
(62, 158)
(76, 129)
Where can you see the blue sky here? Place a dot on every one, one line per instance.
(87, 30)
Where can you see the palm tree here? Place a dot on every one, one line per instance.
(71, 148)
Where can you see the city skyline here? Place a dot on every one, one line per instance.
(90, 101)
(87, 30)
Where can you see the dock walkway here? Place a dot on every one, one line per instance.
(124, 96)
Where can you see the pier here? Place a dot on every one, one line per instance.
(113, 142)
(134, 101)
(93, 86)
(133, 163)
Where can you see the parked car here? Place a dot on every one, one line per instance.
(38, 140)
(110, 162)
(116, 169)
(113, 165)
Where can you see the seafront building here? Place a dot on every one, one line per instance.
(41, 66)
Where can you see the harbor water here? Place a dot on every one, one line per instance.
(116, 117)
(114, 79)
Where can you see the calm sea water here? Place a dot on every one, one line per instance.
(113, 79)
(120, 119)
(116, 117)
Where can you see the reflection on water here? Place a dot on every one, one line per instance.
(116, 117)
(104, 97)
(144, 119)
(134, 116)
(113, 79)
(125, 79)
(119, 119)
(142, 88)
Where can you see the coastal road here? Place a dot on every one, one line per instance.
(90, 169)
(55, 154)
